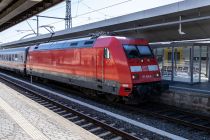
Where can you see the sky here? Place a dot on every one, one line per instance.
(83, 12)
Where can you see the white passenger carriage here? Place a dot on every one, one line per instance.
(14, 59)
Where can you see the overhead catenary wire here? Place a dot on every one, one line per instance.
(78, 2)
(30, 27)
(62, 6)
(56, 22)
(102, 8)
(94, 9)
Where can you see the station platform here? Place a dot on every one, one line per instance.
(23, 119)
(192, 97)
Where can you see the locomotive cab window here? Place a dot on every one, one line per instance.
(145, 51)
(131, 51)
(106, 53)
(137, 51)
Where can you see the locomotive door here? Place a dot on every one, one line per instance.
(99, 67)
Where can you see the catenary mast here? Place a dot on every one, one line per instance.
(68, 23)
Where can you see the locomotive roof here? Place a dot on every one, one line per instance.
(84, 43)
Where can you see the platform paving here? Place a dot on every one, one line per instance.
(23, 119)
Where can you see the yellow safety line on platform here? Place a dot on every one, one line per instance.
(32, 131)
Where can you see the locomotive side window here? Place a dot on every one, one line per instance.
(106, 53)
(74, 44)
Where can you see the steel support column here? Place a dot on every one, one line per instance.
(172, 61)
(208, 63)
(68, 15)
(200, 51)
(191, 63)
(37, 25)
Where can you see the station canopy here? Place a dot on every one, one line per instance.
(15, 11)
(185, 20)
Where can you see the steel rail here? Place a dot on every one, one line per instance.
(162, 114)
(96, 122)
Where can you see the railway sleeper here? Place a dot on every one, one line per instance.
(117, 138)
(72, 118)
(95, 129)
(66, 115)
(79, 121)
(48, 105)
(104, 134)
(61, 112)
(52, 107)
(86, 125)
(57, 109)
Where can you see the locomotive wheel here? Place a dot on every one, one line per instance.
(112, 98)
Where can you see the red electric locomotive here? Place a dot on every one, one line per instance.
(111, 65)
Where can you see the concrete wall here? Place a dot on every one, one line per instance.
(197, 102)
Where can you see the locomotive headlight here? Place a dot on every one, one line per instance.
(125, 85)
(135, 76)
(157, 75)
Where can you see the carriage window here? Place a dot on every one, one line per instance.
(16, 57)
(21, 58)
(106, 53)
(10, 57)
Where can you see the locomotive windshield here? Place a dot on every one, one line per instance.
(137, 51)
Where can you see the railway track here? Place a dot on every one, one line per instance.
(172, 114)
(91, 123)
(164, 112)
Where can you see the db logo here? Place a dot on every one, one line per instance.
(144, 68)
